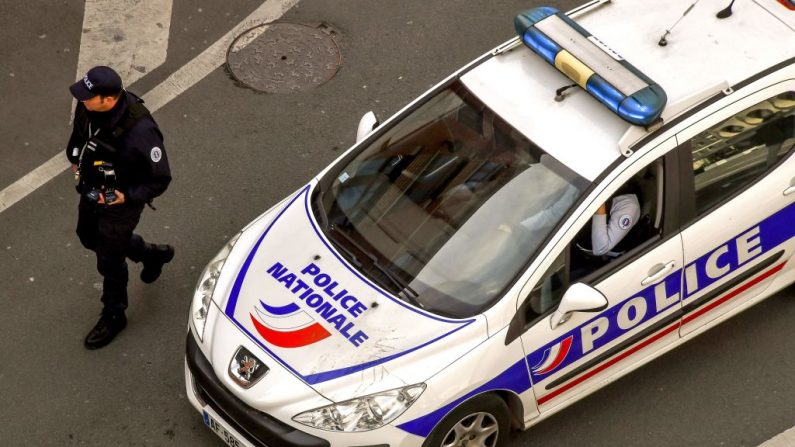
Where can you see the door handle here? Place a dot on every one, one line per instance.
(789, 190)
(659, 274)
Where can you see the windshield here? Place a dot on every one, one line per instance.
(446, 207)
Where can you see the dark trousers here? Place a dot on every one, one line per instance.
(108, 231)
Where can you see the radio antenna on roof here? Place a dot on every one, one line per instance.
(664, 42)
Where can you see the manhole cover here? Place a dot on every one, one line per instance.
(284, 57)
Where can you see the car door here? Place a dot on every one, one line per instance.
(739, 201)
(641, 287)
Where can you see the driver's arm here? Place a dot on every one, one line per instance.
(607, 233)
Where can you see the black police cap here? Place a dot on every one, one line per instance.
(100, 80)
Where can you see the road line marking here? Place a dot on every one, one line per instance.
(214, 56)
(32, 181)
(785, 439)
(184, 78)
(129, 35)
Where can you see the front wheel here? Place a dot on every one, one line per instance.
(480, 422)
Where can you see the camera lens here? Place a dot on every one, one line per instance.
(93, 195)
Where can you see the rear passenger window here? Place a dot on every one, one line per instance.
(733, 154)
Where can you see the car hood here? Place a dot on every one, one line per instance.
(323, 320)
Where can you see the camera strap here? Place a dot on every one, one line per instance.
(135, 112)
(83, 150)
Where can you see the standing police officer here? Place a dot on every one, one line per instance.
(119, 160)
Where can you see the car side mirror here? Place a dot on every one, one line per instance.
(366, 125)
(578, 298)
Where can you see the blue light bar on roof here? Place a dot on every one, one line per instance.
(590, 63)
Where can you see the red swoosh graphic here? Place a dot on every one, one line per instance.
(291, 339)
(564, 351)
(789, 5)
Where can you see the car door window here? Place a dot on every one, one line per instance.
(579, 263)
(629, 227)
(730, 156)
(640, 282)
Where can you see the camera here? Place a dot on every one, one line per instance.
(93, 194)
(107, 178)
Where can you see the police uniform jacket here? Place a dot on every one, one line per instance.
(606, 235)
(129, 138)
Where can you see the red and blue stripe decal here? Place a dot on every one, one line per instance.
(302, 336)
(287, 326)
(772, 232)
(553, 357)
(789, 4)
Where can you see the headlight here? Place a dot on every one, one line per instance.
(364, 413)
(206, 287)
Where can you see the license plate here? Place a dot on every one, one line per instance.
(231, 437)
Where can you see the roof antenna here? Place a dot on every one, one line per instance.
(560, 94)
(664, 42)
(725, 12)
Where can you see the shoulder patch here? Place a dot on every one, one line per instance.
(625, 221)
(156, 154)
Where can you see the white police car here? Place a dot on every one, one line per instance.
(435, 285)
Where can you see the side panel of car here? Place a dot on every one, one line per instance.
(639, 319)
(642, 287)
(739, 233)
(491, 367)
(739, 255)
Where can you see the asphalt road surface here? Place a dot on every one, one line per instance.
(234, 153)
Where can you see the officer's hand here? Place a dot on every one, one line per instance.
(119, 198)
(74, 168)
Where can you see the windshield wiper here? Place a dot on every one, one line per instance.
(320, 211)
(410, 294)
(398, 282)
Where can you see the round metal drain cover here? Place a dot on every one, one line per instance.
(284, 57)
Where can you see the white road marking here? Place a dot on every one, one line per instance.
(214, 56)
(184, 78)
(32, 181)
(785, 439)
(129, 35)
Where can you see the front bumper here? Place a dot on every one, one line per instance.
(257, 427)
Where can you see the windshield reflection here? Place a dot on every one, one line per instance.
(447, 206)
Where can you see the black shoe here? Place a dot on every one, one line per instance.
(106, 329)
(155, 258)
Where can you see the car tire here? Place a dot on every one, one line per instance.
(483, 422)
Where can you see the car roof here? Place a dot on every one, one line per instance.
(702, 52)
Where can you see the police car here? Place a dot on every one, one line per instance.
(437, 284)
